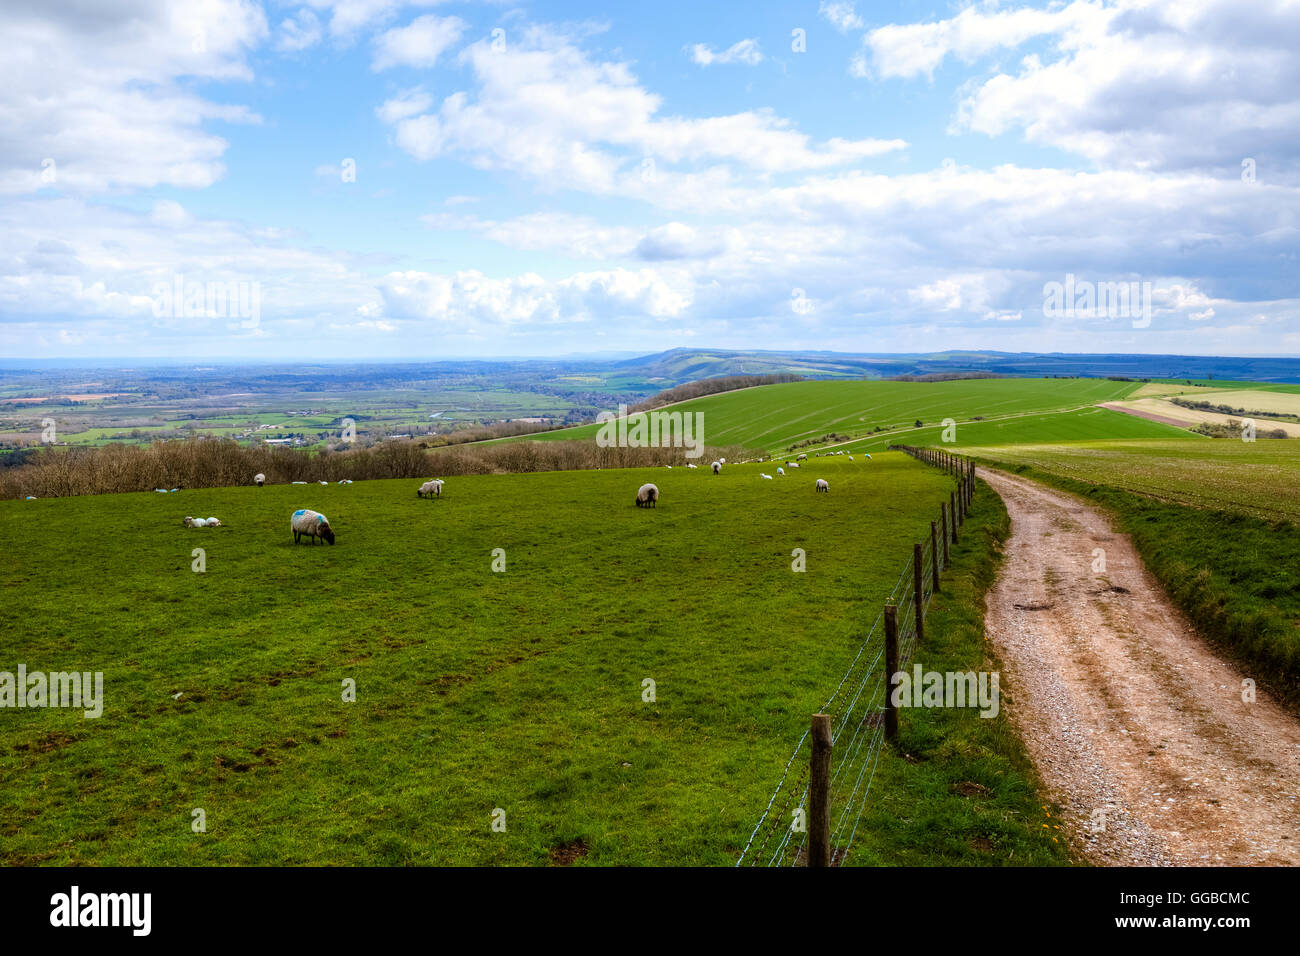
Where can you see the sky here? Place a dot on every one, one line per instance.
(377, 179)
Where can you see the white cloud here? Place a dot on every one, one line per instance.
(418, 44)
(544, 109)
(743, 51)
(841, 16)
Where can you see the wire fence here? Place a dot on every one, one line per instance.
(857, 706)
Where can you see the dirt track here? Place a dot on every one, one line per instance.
(1125, 709)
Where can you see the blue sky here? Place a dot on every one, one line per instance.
(557, 177)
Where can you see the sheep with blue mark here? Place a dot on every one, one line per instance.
(310, 524)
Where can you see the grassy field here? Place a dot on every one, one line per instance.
(1214, 521)
(1257, 478)
(475, 690)
(773, 417)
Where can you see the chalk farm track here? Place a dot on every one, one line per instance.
(1125, 709)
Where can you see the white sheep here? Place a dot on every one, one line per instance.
(214, 523)
(310, 524)
(692, 466)
(297, 482)
(647, 496)
(723, 460)
(717, 467)
(190, 522)
(801, 458)
(432, 489)
(761, 475)
(781, 471)
(850, 457)
(346, 481)
(823, 485)
(794, 464)
(259, 479)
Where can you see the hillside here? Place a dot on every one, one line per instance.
(774, 417)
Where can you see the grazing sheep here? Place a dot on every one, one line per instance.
(780, 471)
(794, 464)
(866, 456)
(297, 482)
(761, 475)
(310, 524)
(259, 479)
(646, 496)
(717, 467)
(346, 481)
(850, 457)
(214, 523)
(723, 460)
(692, 466)
(431, 488)
(802, 458)
(190, 522)
(822, 485)
(324, 482)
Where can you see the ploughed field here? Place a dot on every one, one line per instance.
(476, 691)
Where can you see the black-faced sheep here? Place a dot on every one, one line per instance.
(310, 524)
(647, 495)
(432, 489)
(259, 479)
(823, 485)
(717, 467)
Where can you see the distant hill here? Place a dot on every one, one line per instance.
(676, 366)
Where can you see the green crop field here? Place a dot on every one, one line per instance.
(475, 690)
(774, 417)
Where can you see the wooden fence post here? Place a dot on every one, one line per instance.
(918, 591)
(952, 506)
(819, 792)
(891, 668)
(934, 554)
(944, 521)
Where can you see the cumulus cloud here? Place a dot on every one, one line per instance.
(543, 108)
(90, 103)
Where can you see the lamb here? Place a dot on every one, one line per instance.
(214, 523)
(190, 522)
(802, 458)
(761, 475)
(723, 460)
(310, 524)
(822, 485)
(692, 466)
(324, 482)
(431, 488)
(717, 467)
(647, 495)
(259, 479)
(346, 481)
(850, 457)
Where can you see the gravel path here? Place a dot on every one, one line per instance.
(1137, 726)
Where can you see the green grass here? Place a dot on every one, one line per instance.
(1260, 478)
(475, 690)
(773, 417)
(1218, 530)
